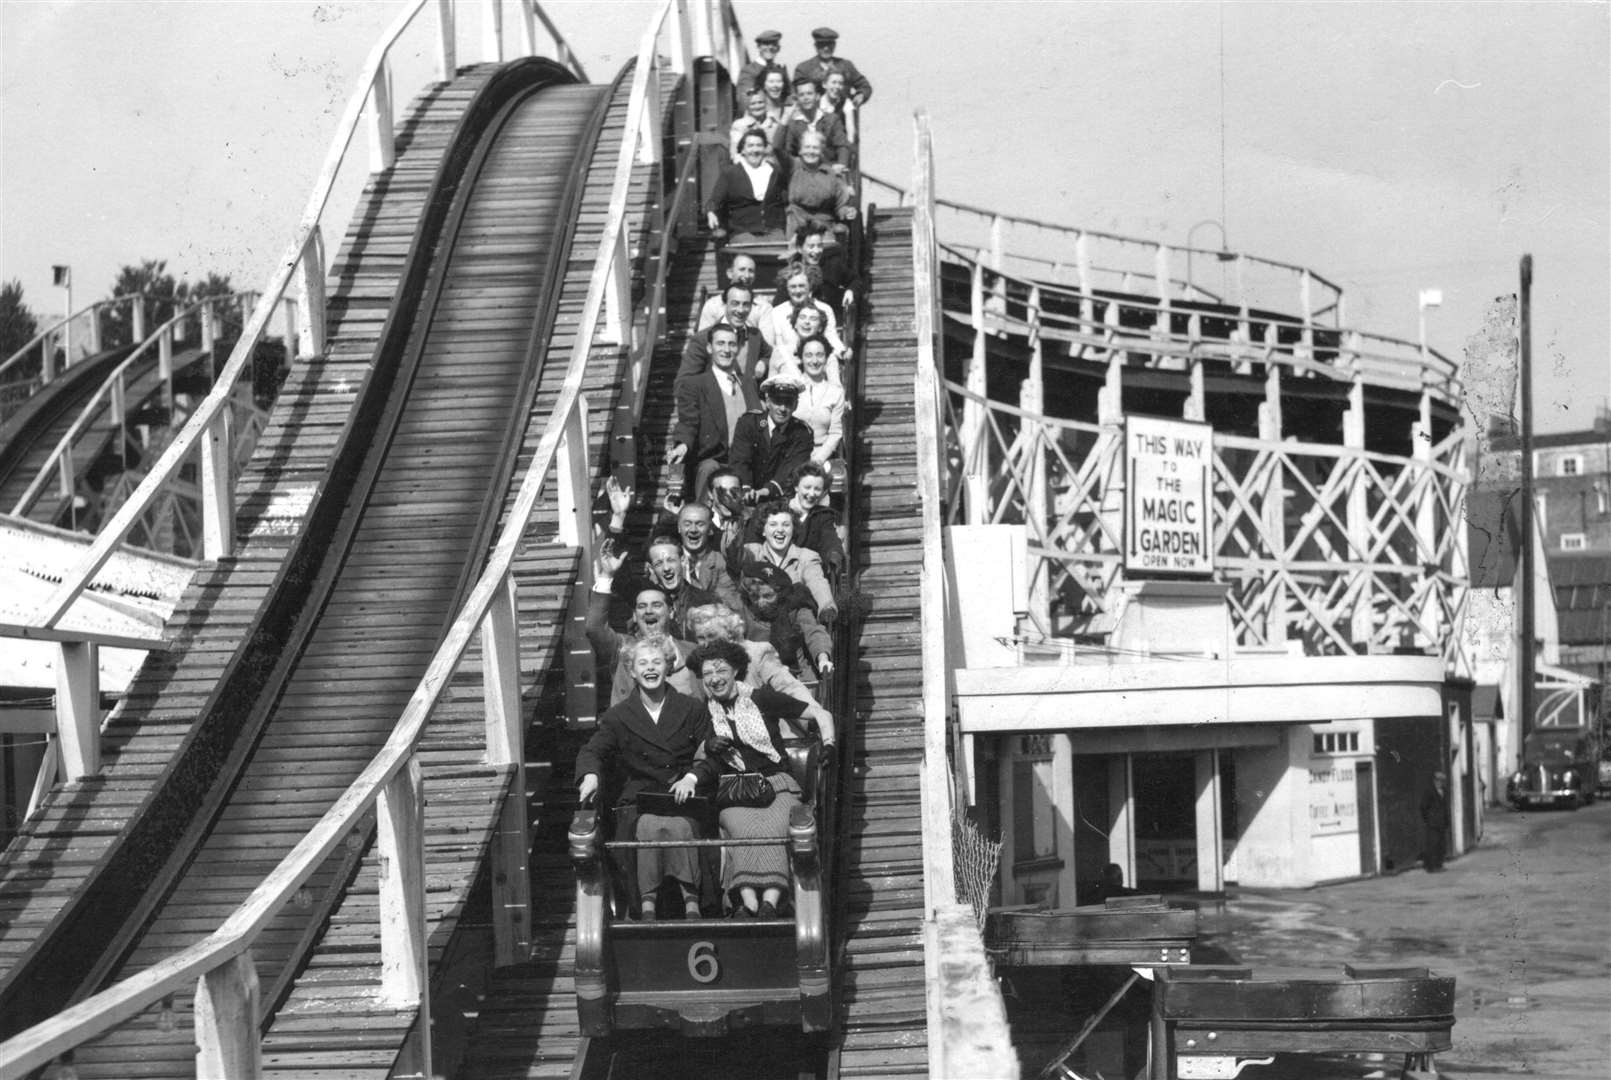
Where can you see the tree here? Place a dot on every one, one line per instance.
(18, 324)
(161, 291)
(230, 321)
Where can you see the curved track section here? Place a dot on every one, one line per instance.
(424, 458)
(164, 742)
(403, 555)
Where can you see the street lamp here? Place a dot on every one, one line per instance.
(1429, 298)
(1224, 254)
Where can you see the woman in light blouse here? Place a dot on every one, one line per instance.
(822, 402)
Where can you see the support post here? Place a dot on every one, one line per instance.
(492, 31)
(1274, 505)
(1429, 624)
(45, 778)
(137, 318)
(400, 841)
(528, 29)
(311, 270)
(165, 364)
(78, 708)
(218, 487)
(574, 479)
(1210, 842)
(617, 329)
(649, 131)
(95, 332)
(227, 1042)
(288, 307)
(447, 51)
(209, 331)
(975, 456)
(1362, 616)
(1121, 817)
(677, 37)
(1037, 502)
(382, 139)
(1160, 273)
(511, 884)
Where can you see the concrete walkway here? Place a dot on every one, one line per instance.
(1523, 923)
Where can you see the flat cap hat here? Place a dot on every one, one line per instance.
(824, 33)
(768, 37)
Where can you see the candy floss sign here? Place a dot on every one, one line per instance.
(1167, 501)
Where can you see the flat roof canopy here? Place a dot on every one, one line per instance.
(1241, 690)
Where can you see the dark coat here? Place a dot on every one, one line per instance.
(702, 414)
(734, 203)
(764, 460)
(752, 352)
(631, 753)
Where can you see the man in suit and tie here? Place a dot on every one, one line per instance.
(709, 406)
(754, 352)
(768, 446)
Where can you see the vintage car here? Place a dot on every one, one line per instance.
(1560, 766)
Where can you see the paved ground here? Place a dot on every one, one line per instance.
(1523, 923)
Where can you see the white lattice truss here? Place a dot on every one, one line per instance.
(1345, 550)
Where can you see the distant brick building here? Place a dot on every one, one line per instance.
(1572, 479)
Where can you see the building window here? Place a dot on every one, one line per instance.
(1336, 742)
(1574, 542)
(1572, 465)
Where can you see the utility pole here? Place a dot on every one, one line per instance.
(1524, 564)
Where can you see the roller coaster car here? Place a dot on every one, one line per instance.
(707, 977)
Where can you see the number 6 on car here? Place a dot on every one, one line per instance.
(702, 962)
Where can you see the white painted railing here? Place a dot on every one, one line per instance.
(220, 966)
(1091, 260)
(371, 109)
(112, 394)
(46, 340)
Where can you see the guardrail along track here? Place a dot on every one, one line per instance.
(29, 436)
(405, 553)
(880, 879)
(420, 479)
(330, 1025)
(120, 821)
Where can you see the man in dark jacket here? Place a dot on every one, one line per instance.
(769, 446)
(709, 407)
(1435, 820)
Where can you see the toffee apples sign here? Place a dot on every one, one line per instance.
(1168, 507)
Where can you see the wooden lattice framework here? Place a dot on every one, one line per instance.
(1329, 547)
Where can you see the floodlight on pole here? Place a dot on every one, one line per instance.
(1429, 298)
(62, 278)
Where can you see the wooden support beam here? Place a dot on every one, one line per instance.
(400, 842)
(573, 479)
(447, 53)
(649, 128)
(78, 708)
(218, 487)
(1274, 506)
(1122, 817)
(311, 271)
(975, 431)
(500, 674)
(1210, 829)
(617, 328)
(1361, 616)
(227, 1042)
(492, 31)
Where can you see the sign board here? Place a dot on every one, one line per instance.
(1333, 798)
(1168, 506)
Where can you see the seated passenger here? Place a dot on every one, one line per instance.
(647, 743)
(768, 43)
(779, 101)
(836, 99)
(804, 566)
(709, 406)
(756, 117)
(718, 622)
(826, 42)
(749, 201)
(816, 192)
(746, 736)
(651, 617)
(807, 118)
(789, 326)
(768, 446)
(826, 265)
(740, 271)
(779, 611)
(814, 524)
(822, 400)
(704, 566)
(738, 312)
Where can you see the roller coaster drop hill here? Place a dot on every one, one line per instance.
(386, 459)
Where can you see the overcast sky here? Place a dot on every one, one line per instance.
(1390, 146)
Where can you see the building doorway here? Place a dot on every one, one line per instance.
(1166, 822)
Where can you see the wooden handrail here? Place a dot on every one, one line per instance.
(56, 326)
(1077, 232)
(86, 413)
(38, 1045)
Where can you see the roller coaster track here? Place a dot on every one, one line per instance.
(420, 479)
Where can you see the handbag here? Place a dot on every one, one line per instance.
(747, 789)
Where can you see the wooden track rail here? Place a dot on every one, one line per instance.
(881, 889)
(182, 713)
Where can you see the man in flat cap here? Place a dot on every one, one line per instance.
(817, 68)
(767, 43)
